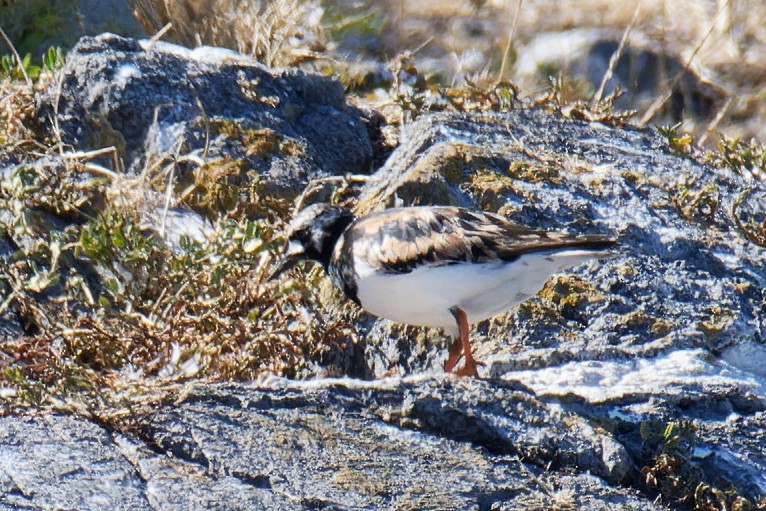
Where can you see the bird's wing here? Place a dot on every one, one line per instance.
(398, 240)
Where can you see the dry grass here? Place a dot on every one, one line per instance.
(452, 42)
(277, 33)
(111, 310)
(107, 306)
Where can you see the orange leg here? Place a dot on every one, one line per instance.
(455, 352)
(469, 368)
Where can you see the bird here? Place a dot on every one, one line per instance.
(434, 266)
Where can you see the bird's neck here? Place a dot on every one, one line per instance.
(333, 234)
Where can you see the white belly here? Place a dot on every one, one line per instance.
(425, 296)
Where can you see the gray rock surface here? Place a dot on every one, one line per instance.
(421, 443)
(61, 462)
(673, 322)
(645, 70)
(163, 102)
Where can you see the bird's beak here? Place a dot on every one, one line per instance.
(291, 255)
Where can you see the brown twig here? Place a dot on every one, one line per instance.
(16, 55)
(614, 58)
(716, 121)
(660, 102)
(509, 43)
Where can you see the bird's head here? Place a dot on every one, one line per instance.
(312, 235)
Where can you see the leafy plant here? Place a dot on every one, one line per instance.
(53, 59)
(20, 79)
(680, 143)
(567, 98)
(674, 476)
(696, 202)
(12, 68)
(19, 70)
(744, 157)
(750, 221)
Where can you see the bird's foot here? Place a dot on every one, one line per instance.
(469, 368)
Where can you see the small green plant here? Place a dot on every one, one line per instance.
(567, 97)
(695, 202)
(747, 158)
(32, 393)
(415, 94)
(20, 80)
(12, 68)
(19, 70)
(743, 157)
(497, 97)
(53, 59)
(680, 143)
(673, 476)
(750, 221)
(669, 446)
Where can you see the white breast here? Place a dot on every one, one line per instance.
(425, 296)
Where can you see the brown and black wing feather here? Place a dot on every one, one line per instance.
(398, 240)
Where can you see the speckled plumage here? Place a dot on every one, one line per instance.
(435, 266)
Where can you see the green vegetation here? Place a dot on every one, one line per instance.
(32, 22)
(673, 476)
(679, 142)
(112, 311)
(695, 202)
(11, 68)
(107, 306)
(743, 157)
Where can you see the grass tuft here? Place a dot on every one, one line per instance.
(112, 309)
(675, 479)
(276, 33)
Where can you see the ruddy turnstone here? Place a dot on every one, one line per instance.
(434, 266)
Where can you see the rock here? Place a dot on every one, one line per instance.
(159, 102)
(55, 462)
(672, 216)
(65, 463)
(734, 443)
(339, 444)
(645, 71)
(672, 321)
(498, 418)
